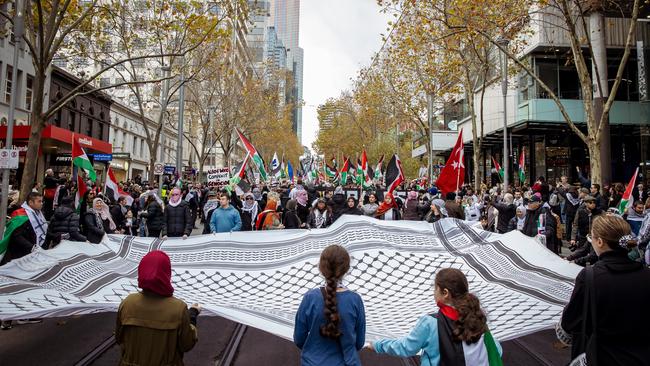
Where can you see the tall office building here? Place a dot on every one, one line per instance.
(285, 15)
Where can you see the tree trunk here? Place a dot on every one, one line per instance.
(152, 163)
(595, 163)
(37, 125)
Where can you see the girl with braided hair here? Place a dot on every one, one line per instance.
(458, 335)
(331, 322)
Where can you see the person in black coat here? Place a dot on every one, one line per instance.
(507, 211)
(290, 219)
(98, 221)
(117, 212)
(248, 212)
(352, 207)
(23, 238)
(154, 215)
(536, 213)
(581, 229)
(64, 224)
(338, 203)
(178, 218)
(618, 285)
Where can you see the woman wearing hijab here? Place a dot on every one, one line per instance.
(351, 207)
(302, 207)
(290, 219)
(320, 216)
(269, 219)
(388, 210)
(249, 212)
(153, 327)
(178, 218)
(98, 221)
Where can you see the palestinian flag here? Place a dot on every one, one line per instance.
(18, 219)
(113, 190)
(344, 171)
(627, 196)
(367, 178)
(255, 156)
(80, 159)
(378, 174)
(360, 172)
(239, 172)
(498, 168)
(394, 174)
(330, 172)
(81, 192)
(522, 167)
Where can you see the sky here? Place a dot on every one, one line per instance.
(339, 38)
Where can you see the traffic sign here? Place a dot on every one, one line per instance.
(158, 169)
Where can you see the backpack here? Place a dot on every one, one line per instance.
(559, 232)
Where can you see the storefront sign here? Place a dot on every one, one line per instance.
(218, 177)
(61, 159)
(122, 155)
(170, 169)
(101, 157)
(115, 165)
(9, 159)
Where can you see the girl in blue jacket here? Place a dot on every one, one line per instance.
(458, 335)
(331, 322)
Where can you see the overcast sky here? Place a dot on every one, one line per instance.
(339, 37)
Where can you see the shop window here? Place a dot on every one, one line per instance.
(29, 90)
(540, 159)
(8, 85)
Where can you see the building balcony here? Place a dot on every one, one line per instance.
(545, 110)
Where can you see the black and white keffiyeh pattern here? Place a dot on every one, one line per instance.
(38, 222)
(259, 278)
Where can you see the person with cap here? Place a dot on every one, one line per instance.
(154, 327)
(517, 222)
(225, 218)
(540, 221)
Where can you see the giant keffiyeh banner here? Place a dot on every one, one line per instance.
(259, 278)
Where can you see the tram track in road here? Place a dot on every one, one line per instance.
(97, 352)
(230, 352)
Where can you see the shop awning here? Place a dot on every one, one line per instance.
(59, 137)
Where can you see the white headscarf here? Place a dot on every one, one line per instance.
(103, 213)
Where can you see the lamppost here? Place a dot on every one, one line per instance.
(19, 29)
(504, 93)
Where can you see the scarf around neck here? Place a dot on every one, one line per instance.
(37, 220)
(209, 206)
(448, 311)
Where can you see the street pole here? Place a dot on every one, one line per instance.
(430, 137)
(504, 94)
(18, 35)
(181, 111)
(167, 71)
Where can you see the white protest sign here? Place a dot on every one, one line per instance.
(218, 177)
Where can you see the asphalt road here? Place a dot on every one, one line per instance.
(65, 341)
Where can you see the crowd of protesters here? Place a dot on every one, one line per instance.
(559, 214)
(581, 222)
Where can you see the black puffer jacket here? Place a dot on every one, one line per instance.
(94, 232)
(178, 220)
(65, 221)
(154, 215)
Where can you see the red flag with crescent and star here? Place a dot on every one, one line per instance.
(452, 175)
